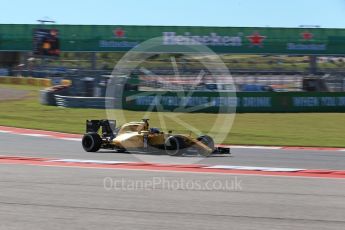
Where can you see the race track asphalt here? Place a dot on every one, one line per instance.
(41, 197)
(18, 145)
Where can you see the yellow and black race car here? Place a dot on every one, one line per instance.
(137, 135)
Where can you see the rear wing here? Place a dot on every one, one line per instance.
(107, 126)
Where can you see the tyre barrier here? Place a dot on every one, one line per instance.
(84, 102)
(47, 95)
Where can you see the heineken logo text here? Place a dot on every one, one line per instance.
(171, 38)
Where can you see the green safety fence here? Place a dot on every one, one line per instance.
(244, 102)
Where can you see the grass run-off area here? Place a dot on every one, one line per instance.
(294, 129)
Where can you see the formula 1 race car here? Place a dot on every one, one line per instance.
(139, 136)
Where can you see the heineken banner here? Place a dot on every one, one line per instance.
(244, 102)
(219, 39)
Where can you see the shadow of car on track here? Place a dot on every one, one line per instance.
(160, 153)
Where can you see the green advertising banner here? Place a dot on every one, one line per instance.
(244, 102)
(249, 40)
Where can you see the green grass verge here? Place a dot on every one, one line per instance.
(299, 129)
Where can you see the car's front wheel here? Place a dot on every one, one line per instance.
(208, 141)
(91, 142)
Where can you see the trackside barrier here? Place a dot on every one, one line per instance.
(44, 82)
(83, 102)
(47, 95)
(209, 102)
(245, 102)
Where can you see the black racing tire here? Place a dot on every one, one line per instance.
(173, 146)
(206, 140)
(91, 142)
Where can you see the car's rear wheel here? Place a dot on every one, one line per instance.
(173, 146)
(91, 142)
